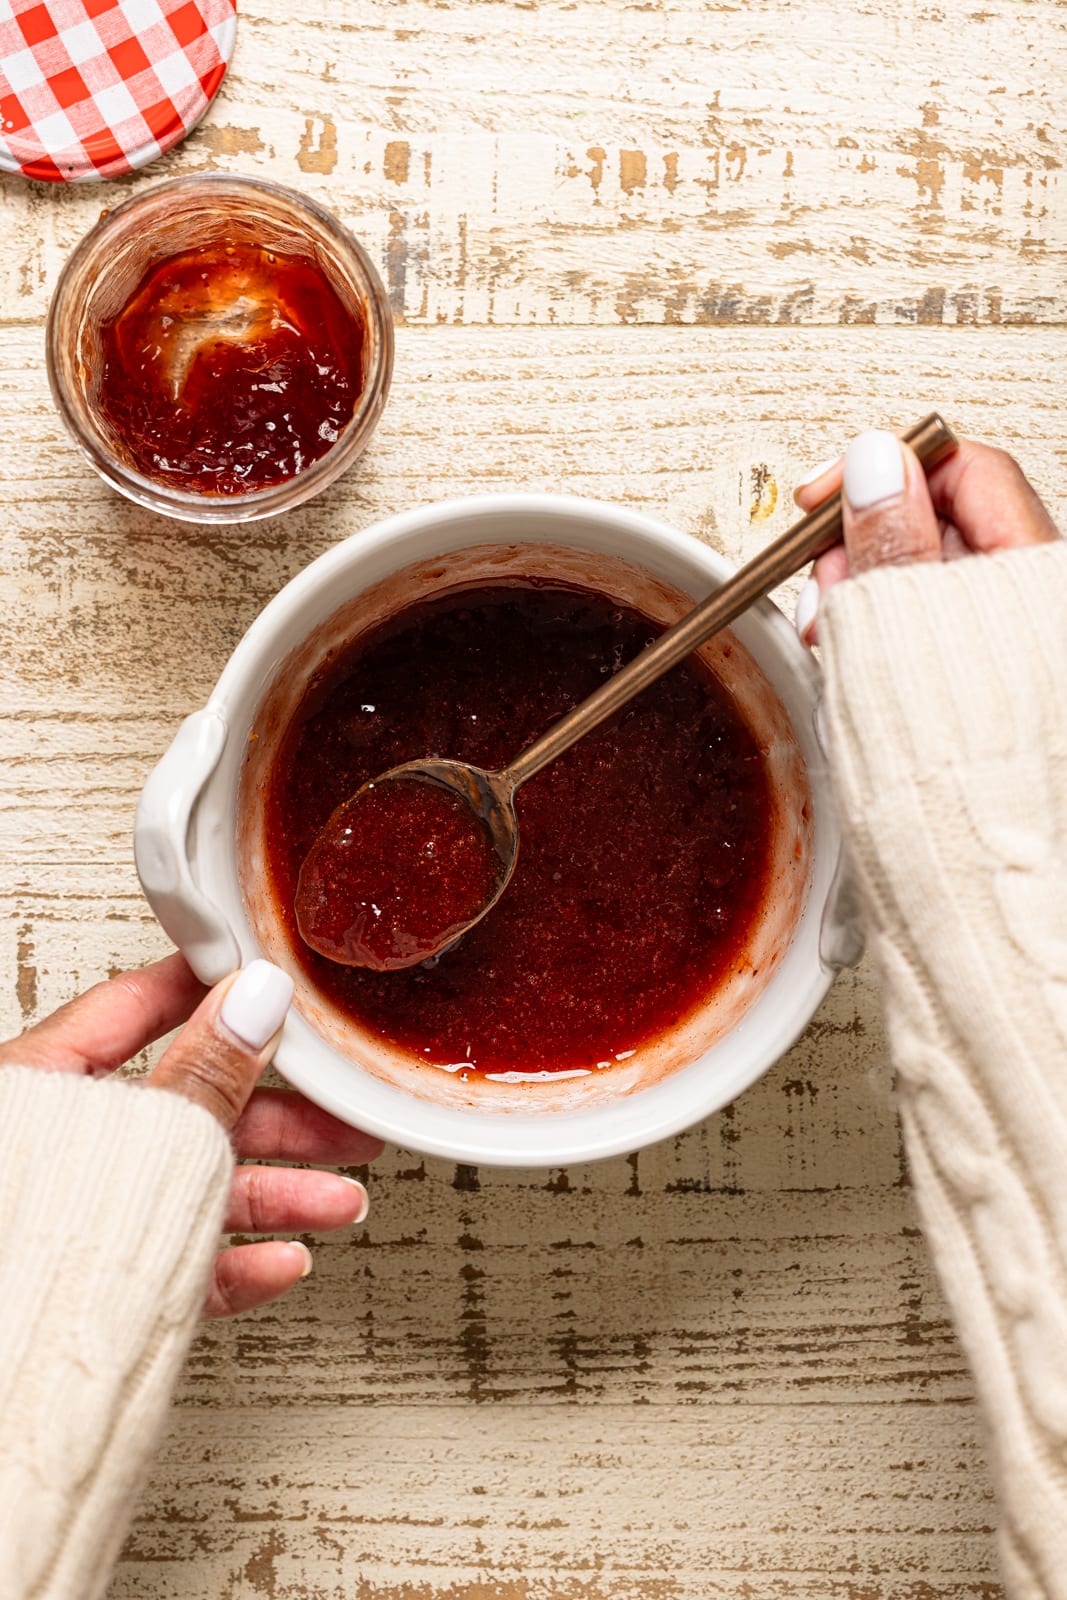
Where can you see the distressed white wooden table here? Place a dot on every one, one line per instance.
(667, 253)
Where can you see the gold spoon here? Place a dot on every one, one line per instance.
(490, 796)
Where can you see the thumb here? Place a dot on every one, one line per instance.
(888, 516)
(220, 1054)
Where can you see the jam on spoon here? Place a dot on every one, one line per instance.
(230, 368)
(398, 870)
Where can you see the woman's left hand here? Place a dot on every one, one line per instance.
(215, 1060)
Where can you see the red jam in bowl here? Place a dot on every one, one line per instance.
(645, 849)
(230, 368)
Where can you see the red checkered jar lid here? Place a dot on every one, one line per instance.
(95, 88)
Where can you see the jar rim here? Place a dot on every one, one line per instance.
(189, 505)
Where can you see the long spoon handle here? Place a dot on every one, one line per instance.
(931, 439)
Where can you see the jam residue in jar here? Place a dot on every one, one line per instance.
(645, 849)
(394, 873)
(230, 368)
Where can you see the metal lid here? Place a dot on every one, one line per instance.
(95, 88)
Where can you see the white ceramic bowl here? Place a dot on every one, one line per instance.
(199, 851)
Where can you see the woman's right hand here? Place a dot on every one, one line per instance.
(974, 502)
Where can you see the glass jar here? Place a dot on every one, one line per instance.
(109, 265)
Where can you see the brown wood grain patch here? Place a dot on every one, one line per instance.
(318, 145)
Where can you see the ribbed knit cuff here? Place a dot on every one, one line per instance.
(111, 1202)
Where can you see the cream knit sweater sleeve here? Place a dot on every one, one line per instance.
(947, 699)
(111, 1202)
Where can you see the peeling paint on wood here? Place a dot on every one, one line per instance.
(318, 145)
(667, 162)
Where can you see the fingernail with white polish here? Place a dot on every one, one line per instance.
(256, 1005)
(305, 1254)
(364, 1207)
(816, 472)
(874, 469)
(807, 609)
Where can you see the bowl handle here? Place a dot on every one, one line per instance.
(841, 932)
(160, 835)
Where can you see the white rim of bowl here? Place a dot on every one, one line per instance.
(483, 1137)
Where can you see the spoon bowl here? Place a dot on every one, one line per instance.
(394, 878)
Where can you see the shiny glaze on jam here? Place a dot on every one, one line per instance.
(644, 853)
(394, 873)
(230, 368)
